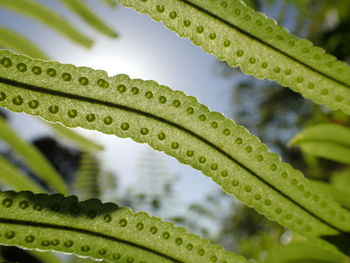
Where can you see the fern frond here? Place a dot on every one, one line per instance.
(80, 8)
(100, 231)
(243, 37)
(48, 17)
(33, 158)
(176, 124)
(12, 40)
(11, 176)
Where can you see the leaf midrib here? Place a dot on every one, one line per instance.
(207, 12)
(86, 232)
(128, 109)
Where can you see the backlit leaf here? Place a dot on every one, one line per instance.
(243, 37)
(178, 125)
(100, 231)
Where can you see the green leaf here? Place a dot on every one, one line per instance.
(100, 231)
(14, 178)
(39, 12)
(33, 158)
(80, 8)
(176, 124)
(303, 252)
(85, 184)
(12, 40)
(328, 141)
(82, 142)
(241, 36)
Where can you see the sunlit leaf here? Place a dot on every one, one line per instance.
(178, 125)
(100, 231)
(243, 37)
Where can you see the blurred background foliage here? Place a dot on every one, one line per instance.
(273, 113)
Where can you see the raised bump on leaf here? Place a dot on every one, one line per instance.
(234, 158)
(248, 39)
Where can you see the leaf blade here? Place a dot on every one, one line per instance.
(205, 24)
(100, 231)
(178, 125)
